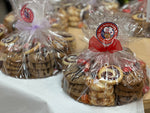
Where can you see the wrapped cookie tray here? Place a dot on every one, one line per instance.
(40, 92)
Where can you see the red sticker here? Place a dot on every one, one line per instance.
(107, 32)
(27, 14)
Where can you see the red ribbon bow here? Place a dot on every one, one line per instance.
(95, 45)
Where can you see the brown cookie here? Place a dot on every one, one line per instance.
(130, 88)
(15, 57)
(74, 18)
(128, 93)
(73, 11)
(41, 72)
(96, 85)
(9, 67)
(101, 94)
(38, 57)
(13, 64)
(69, 60)
(110, 101)
(76, 92)
(15, 73)
(127, 99)
(68, 85)
(41, 65)
(9, 39)
(131, 79)
(74, 24)
(75, 75)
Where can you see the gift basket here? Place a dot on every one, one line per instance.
(107, 73)
(33, 50)
(138, 11)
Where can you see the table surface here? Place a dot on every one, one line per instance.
(140, 46)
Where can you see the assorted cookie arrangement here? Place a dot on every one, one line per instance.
(107, 85)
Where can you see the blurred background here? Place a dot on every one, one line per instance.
(5, 7)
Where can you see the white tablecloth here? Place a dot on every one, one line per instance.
(47, 96)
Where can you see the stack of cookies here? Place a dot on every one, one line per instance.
(74, 82)
(100, 93)
(77, 14)
(13, 65)
(40, 63)
(130, 88)
(70, 40)
(60, 23)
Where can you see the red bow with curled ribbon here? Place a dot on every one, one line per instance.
(95, 45)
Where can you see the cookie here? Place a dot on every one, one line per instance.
(13, 64)
(96, 85)
(110, 74)
(129, 93)
(110, 101)
(17, 73)
(40, 65)
(38, 57)
(126, 99)
(139, 17)
(69, 60)
(73, 11)
(41, 72)
(131, 78)
(75, 75)
(130, 88)
(74, 24)
(74, 19)
(101, 94)
(9, 40)
(3, 31)
(9, 67)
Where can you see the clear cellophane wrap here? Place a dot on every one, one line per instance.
(73, 12)
(107, 73)
(138, 12)
(33, 50)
